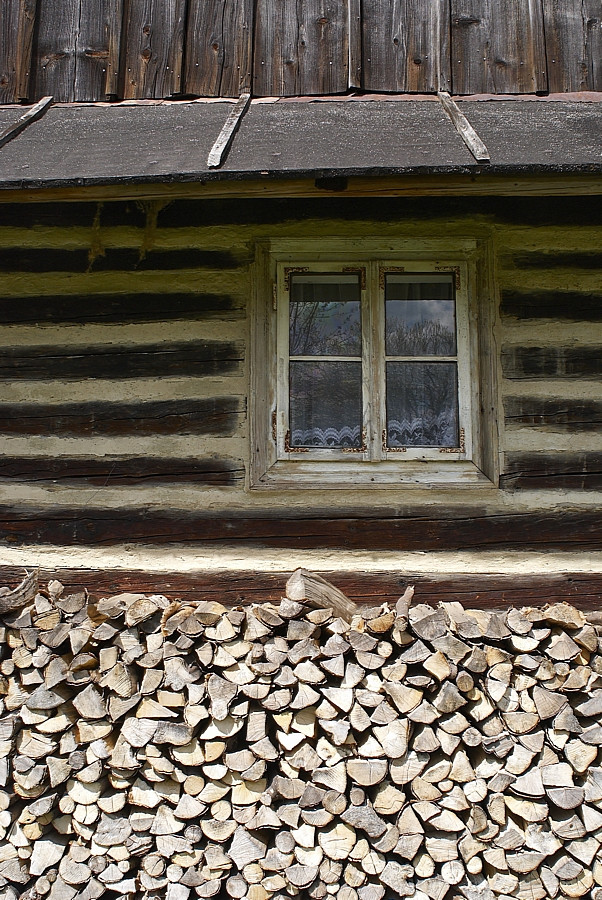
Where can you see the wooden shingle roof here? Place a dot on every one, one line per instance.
(91, 50)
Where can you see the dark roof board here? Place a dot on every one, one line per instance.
(166, 142)
(290, 137)
(545, 134)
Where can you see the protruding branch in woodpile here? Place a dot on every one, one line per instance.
(19, 596)
(305, 587)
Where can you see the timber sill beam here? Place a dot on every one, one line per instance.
(471, 139)
(219, 151)
(32, 114)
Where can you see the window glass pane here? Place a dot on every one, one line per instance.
(324, 317)
(325, 404)
(420, 315)
(422, 404)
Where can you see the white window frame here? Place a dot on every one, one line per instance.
(275, 465)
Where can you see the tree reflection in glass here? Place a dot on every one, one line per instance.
(420, 317)
(325, 316)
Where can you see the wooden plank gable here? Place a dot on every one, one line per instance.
(497, 48)
(573, 44)
(406, 46)
(82, 51)
(76, 54)
(154, 48)
(16, 38)
(97, 50)
(53, 70)
(219, 47)
(301, 47)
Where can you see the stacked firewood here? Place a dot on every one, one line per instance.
(155, 748)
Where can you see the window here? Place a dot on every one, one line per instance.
(368, 367)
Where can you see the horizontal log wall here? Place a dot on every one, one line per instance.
(111, 49)
(124, 379)
(250, 586)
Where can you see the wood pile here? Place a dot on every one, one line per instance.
(154, 748)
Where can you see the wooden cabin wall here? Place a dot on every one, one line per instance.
(124, 378)
(109, 49)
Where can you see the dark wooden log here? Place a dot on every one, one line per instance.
(110, 471)
(154, 48)
(573, 45)
(536, 363)
(570, 471)
(16, 39)
(474, 531)
(567, 306)
(113, 259)
(554, 259)
(111, 362)
(219, 47)
(231, 588)
(534, 211)
(406, 46)
(301, 47)
(218, 416)
(30, 215)
(497, 48)
(119, 308)
(554, 413)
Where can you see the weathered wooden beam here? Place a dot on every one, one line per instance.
(552, 471)
(219, 151)
(573, 45)
(108, 471)
(138, 361)
(566, 306)
(32, 114)
(300, 47)
(115, 259)
(464, 128)
(537, 363)
(582, 589)
(120, 309)
(215, 415)
(475, 530)
(474, 184)
(554, 413)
